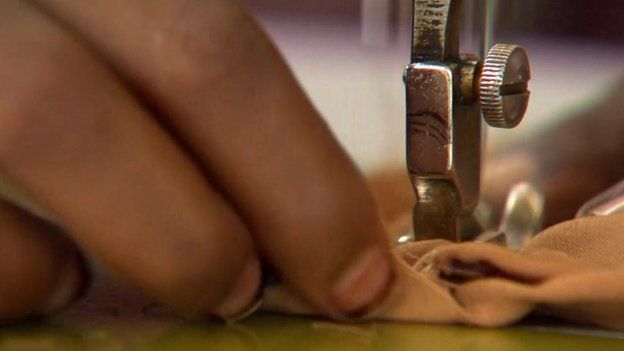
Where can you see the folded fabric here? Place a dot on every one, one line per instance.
(574, 270)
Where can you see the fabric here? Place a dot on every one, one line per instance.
(574, 270)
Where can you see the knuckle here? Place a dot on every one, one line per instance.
(206, 49)
(37, 93)
(21, 120)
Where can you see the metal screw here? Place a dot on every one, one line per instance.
(503, 86)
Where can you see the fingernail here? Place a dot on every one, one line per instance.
(365, 284)
(71, 284)
(245, 294)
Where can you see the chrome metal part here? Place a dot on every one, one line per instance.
(522, 220)
(444, 124)
(470, 71)
(436, 30)
(523, 216)
(405, 239)
(609, 203)
(490, 12)
(503, 86)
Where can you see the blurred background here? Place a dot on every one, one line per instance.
(585, 18)
(349, 56)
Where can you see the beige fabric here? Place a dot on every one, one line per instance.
(574, 270)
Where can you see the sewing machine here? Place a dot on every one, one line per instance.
(447, 93)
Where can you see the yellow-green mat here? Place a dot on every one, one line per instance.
(289, 334)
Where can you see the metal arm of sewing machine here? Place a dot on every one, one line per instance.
(447, 93)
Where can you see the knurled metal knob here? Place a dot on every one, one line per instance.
(503, 86)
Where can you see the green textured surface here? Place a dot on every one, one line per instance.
(286, 334)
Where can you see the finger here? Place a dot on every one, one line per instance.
(217, 78)
(76, 140)
(41, 271)
(395, 198)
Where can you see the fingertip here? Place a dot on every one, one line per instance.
(72, 283)
(365, 284)
(245, 294)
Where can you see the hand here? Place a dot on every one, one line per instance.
(171, 144)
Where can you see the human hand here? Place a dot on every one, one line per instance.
(169, 142)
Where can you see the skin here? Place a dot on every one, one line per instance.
(169, 142)
(182, 156)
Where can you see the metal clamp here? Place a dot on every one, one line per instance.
(446, 94)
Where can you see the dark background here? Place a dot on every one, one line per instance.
(599, 19)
